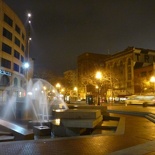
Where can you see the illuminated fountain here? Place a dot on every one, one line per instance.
(42, 97)
(40, 105)
(34, 103)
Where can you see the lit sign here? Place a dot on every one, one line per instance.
(140, 57)
(5, 72)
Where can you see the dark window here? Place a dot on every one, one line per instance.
(7, 34)
(23, 36)
(15, 82)
(23, 48)
(8, 20)
(22, 58)
(5, 63)
(129, 61)
(5, 81)
(143, 74)
(21, 70)
(16, 67)
(17, 29)
(16, 54)
(129, 69)
(6, 48)
(17, 42)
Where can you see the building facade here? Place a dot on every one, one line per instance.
(13, 42)
(133, 66)
(130, 71)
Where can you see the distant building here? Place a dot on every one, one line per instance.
(142, 82)
(129, 65)
(131, 69)
(13, 41)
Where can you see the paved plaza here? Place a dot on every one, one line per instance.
(138, 139)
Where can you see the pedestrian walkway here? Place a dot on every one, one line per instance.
(137, 139)
(141, 149)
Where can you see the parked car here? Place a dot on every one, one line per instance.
(144, 100)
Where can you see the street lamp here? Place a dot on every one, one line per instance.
(58, 86)
(98, 77)
(29, 35)
(29, 17)
(28, 52)
(152, 79)
(27, 64)
(76, 93)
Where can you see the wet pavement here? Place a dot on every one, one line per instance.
(138, 139)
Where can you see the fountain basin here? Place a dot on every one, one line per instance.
(81, 123)
(19, 132)
(77, 114)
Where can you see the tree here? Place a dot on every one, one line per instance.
(107, 81)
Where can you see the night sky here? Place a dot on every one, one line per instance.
(64, 29)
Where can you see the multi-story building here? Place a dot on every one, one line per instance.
(129, 66)
(142, 80)
(13, 41)
(130, 70)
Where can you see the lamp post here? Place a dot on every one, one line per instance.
(98, 77)
(27, 64)
(76, 93)
(29, 35)
(28, 50)
(152, 79)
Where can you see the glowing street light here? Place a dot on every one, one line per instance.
(58, 85)
(44, 87)
(29, 15)
(26, 65)
(98, 77)
(75, 89)
(152, 79)
(76, 92)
